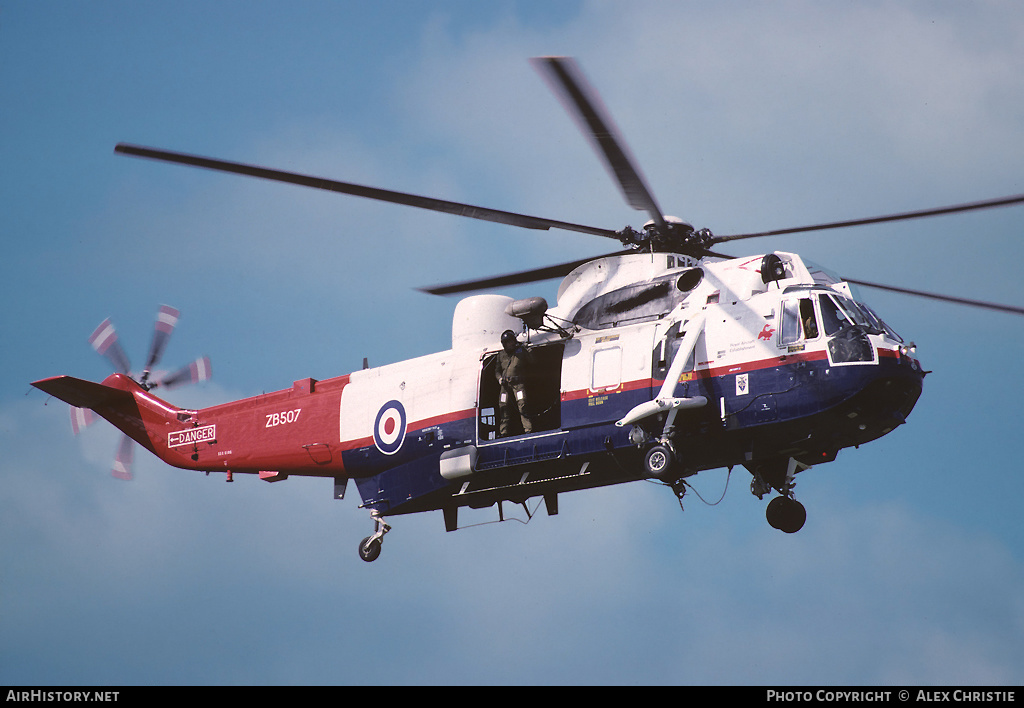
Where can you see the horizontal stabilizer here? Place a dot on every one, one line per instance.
(83, 394)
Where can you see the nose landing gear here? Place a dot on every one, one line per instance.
(784, 512)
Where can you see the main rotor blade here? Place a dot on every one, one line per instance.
(581, 101)
(526, 276)
(358, 190)
(1013, 309)
(987, 204)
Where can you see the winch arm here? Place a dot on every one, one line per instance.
(665, 400)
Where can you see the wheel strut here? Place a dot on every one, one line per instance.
(370, 547)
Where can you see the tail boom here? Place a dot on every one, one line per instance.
(119, 400)
(294, 431)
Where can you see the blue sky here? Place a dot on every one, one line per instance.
(744, 116)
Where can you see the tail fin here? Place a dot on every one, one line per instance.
(83, 394)
(115, 400)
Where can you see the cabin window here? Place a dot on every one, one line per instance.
(790, 330)
(798, 321)
(607, 370)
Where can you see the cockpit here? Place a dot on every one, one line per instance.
(811, 313)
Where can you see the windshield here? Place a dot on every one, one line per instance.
(842, 312)
(878, 322)
(838, 313)
(847, 327)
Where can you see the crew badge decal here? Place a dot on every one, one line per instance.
(389, 428)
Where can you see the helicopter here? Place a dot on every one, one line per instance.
(656, 362)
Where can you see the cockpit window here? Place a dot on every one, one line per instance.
(831, 316)
(835, 317)
(878, 322)
(847, 327)
(798, 321)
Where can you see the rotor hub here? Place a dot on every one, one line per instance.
(672, 235)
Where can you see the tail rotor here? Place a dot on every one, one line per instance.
(166, 321)
(122, 468)
(105, 341)
(196, 371)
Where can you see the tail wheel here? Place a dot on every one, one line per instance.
(369, 548)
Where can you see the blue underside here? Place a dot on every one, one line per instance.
(808, 408)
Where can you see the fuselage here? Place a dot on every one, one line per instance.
(783, 368)
(790, 368)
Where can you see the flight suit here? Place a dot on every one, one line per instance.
(512, 370)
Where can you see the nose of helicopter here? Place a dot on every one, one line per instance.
(885, 401)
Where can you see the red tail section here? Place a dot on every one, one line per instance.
(119, 400)
(294, 431)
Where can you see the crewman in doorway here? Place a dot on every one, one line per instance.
(512, 369)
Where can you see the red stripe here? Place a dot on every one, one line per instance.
(712, 372)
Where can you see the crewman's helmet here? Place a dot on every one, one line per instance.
(508, 340)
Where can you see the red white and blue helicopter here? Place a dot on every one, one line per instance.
(656, 362)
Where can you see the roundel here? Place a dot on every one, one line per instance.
(389, 428)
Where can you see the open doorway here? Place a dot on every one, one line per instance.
(541, 387)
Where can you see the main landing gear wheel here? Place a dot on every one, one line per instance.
(786, 514)
(658, 461)
(369, 548)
